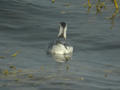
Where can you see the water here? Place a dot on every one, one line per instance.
(27, 26)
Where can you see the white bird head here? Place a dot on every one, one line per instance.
(62, 31)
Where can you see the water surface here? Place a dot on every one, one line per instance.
(27, 26)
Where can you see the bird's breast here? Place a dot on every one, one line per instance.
(61, 49)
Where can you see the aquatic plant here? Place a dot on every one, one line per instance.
(15, 54)
(115, 3)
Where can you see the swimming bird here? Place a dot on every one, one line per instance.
(60, 45)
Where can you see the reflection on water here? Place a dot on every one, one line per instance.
(61, 57)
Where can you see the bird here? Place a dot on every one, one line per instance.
(61, 46)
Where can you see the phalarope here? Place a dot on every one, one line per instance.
(60, 45)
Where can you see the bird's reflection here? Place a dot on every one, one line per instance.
(61, 62)
(62, 58)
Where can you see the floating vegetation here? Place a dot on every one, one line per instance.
(2, 57)
(67, 4)
(41, 68)
(30, 76)
(17, 79)
(15, 54)
(99, 6)
(106, 75)
(5, 72)
(7, 54)
(89, 4)
(53, 1)
(11, 71)
(108, 71)
(81, 78)
(19, 70)
(116, 5)
(67, 79)
(12, 67)
(113, 15)
(62, 12)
